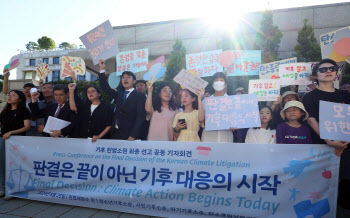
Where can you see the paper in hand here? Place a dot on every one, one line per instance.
(54, 123)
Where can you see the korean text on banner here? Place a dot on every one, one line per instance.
(270, 70)
(334, 121)
(265, 89)
(101, 42)
(190, 81)
(295, 74)
(336, 45)
(246, 63)
(238, 111)
(172, 179)
(134, 61)
(205, 63)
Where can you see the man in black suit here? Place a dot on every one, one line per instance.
(130, 114)
(60, 110)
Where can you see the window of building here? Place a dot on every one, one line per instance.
(81, 77)
(56, 60)
(93, 77)
(46, 60)
(68, 78)
(28, 75)
(55, 75)
(32, 62)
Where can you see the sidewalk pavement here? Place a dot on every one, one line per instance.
(17, 207)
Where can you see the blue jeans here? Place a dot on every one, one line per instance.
(2, 164)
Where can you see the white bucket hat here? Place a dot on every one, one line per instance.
(297, 104)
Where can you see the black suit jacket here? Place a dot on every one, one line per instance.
(65, 114)
(95, 123)
(131, 114)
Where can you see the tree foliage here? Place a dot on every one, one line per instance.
(268, 38)
(65, 45)
(46, 43)
(307, 49)
(177, 61)
(32, 46)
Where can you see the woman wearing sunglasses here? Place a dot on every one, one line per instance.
(324, 74)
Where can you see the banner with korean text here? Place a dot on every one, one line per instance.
(246, 63)
(175, 179)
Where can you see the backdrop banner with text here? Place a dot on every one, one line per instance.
(175, 179)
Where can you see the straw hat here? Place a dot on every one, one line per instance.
(297, 104)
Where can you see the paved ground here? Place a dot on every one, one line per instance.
(17, 207)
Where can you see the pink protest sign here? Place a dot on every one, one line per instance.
(101, 42)
(205, 63)
(336, 45)
(226, 58)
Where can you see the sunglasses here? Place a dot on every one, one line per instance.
(325, 69)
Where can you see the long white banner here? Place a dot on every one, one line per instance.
(175, 179)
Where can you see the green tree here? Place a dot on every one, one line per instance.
(177, 61)
(46, 43)
(32, 46)
(307, 49)
(64, 45)
(268, 38)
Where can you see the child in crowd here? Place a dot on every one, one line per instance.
(186, 123)
(293, 130)
(278, 105)
(266, 134)
(161, 113)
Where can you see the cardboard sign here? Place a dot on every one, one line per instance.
(190, 81)
(43, 71)
(336, 45)
(265, 89)
(134, 61)
(238, 111)
(271, 70)
(305, 88)
(246, 63)
(334, 121)
(72, 64)
(205, 63)
(295, 74)
(101, 42)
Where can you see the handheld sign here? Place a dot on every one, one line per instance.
(14, 62)
(134, 61)
(113, 80)
(101, 42)
(335, 45)
(265, 89)
(239, 111)
(205, 63)
(295, 74)
(156, 70)
(271, 70)
(43, 70)
(246, 63)
(72, 64)
(334, 121)
(190, 81)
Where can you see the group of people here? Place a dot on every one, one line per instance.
(155, 116)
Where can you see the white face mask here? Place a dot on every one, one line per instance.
(219, 86)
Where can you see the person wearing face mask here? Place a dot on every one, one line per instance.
(219, 82)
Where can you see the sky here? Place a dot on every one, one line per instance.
(66, 20)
